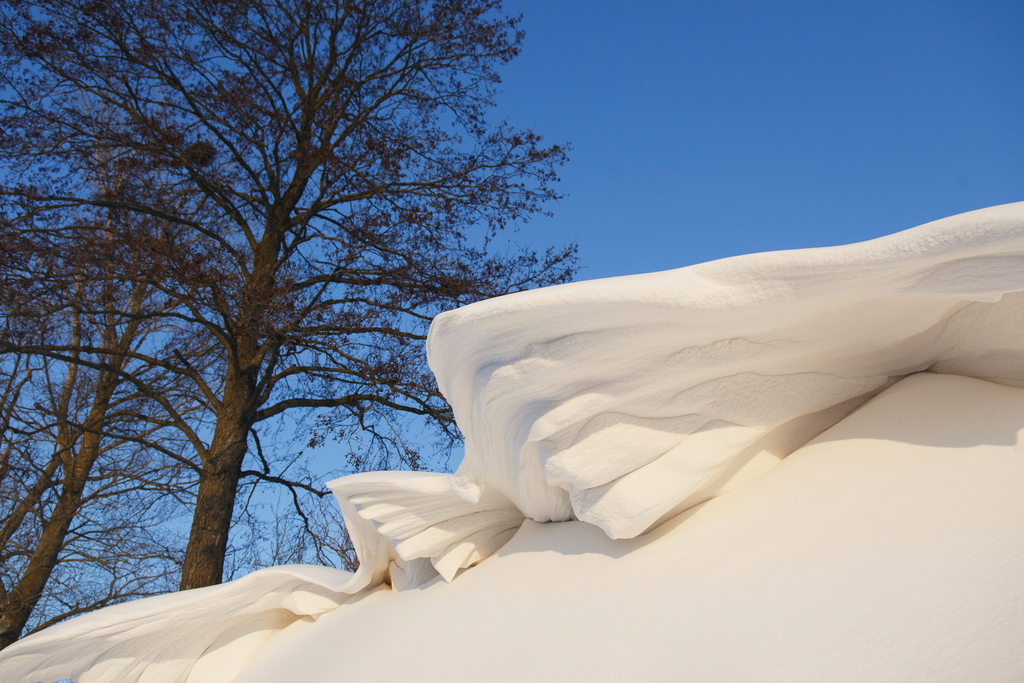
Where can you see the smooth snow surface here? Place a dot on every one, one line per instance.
(623, 403)
(891, 548)
(204, 635)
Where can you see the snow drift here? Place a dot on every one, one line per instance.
(624, 402)
(889, 548)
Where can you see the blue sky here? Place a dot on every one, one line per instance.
(708, 129)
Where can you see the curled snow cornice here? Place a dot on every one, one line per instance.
(623, 401)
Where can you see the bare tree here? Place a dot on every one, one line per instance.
(93, 475)
(87, 481)
(329, 182)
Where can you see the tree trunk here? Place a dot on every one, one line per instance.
(222, 464)
(215, 504)
(17, 604)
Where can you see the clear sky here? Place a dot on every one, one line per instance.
(705, 129)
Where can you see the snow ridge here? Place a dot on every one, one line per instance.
(619, 402)
(622, 402)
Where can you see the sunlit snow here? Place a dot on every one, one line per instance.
(800, 465)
